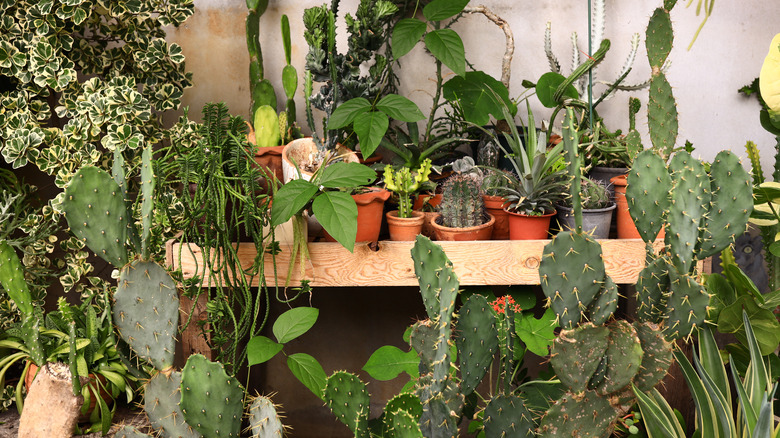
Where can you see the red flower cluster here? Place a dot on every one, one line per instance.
(500, 304)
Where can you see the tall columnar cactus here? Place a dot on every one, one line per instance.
(461, 204)
(212, 401)
(702, 212)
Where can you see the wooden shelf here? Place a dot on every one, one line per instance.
(496, 262)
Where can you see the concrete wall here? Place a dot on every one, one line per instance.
(727, 55)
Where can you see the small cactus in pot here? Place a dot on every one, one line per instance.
(462, 205)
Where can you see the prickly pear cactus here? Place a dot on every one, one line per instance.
(575, 354)
(624, 357)
(264, 421)
(690, 198)
(212, 401)
(146, 311)
(477, 339)
(505, 416)
(266, 127)
(657, 358)
(162, 395)
(647, 194)
(130, 432)
(661, 105)
(347, 397)
(96, 212)
(577, 415)
(652, 288)
(605, 304)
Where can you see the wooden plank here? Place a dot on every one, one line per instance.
(192, 340)
(496, 262)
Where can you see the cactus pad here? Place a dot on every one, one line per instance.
(264, 420)
(402, 416)
(146, 311)
(438, 282)
(130, 432)
(652, 287)
(605, 303)
(659, 38)
(624, 357)
(477, 341)
(441, 409)
(690, 198)
(507, 416)
(730, 207)
(212, 401)
(423, 338)
(686, 306)
(571, 274)
(575, 354)
(579, 415)
(12, 278)
(657, 357)
(647, 193)
(348, 399)
(162, 395)
(662, 115)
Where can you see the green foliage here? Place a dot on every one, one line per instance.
(404, 182)
(211, 401)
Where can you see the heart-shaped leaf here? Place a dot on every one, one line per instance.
(347, 111)
(309, 372)
(337, 212)
(546, 86)
(406, 34)
(479, 96)
(290, 199)
(294, 323)
(438, 10)
(261, 349)
(370, 127)
(339, 175)
(400, 108)
(447, 47)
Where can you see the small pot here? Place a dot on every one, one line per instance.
(523, 227)
(427, 229)
(479, 232)
(299, 151)
(426, 199)
(625, 225)
(605, 174)
(402, 228)
(495, 206)
(375, 158)
(595, 221)
(370, 206)
(270, 159)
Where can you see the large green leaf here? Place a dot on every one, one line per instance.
(308, 371)
(337, 212)
(370, 127)
(537, 334)
(290, 199)
(342, 174)
(438, 10)
(548, 84)
(347, 111)
(764, 323)
(260, 349)
(446, 46)
(294, 323)
(479, 96)
(406, 34)
(389, 361)
(400, 108)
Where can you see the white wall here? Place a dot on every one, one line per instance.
(713, 116)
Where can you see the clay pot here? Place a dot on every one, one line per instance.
(370, 206)
(625, 225)
(479, 232)
(93, 388)
(427, 229)
(495, 206)
(270, 159)
(299, 150)
(377, 157)
(404, 229)
(426, 199)
(523, 227)
(595, 221)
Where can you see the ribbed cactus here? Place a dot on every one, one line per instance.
(146, 311)
(212, 401)
(594, 194)
(461, 204)
(96, 212)
(264, 420)
(347, 397)
(162, 394)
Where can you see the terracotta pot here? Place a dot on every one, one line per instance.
(427, 229)
(523, 227)
(270, 159)
(495, 206)
(404, 229)
(625, 225)
(300, 150)
(377, 157)
(93, 388)
(370, 206)
(479, 232)
(426, 199)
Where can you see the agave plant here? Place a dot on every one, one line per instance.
(540, 174)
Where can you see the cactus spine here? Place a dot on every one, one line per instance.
(264, 419)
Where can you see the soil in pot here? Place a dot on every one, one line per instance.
(524, 227)
(404, 229)
(370, 207)
(495, 206)
(594, 221)
(479, 232)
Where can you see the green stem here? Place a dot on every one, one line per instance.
(436, 103)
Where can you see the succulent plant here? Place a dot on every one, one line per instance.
(212, 401)
(462, 205)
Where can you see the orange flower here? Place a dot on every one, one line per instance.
(500, 304)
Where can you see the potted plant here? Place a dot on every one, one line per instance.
(405, 223)
(495, 202)
(462, 214)
(370, 203)
(597, 209)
